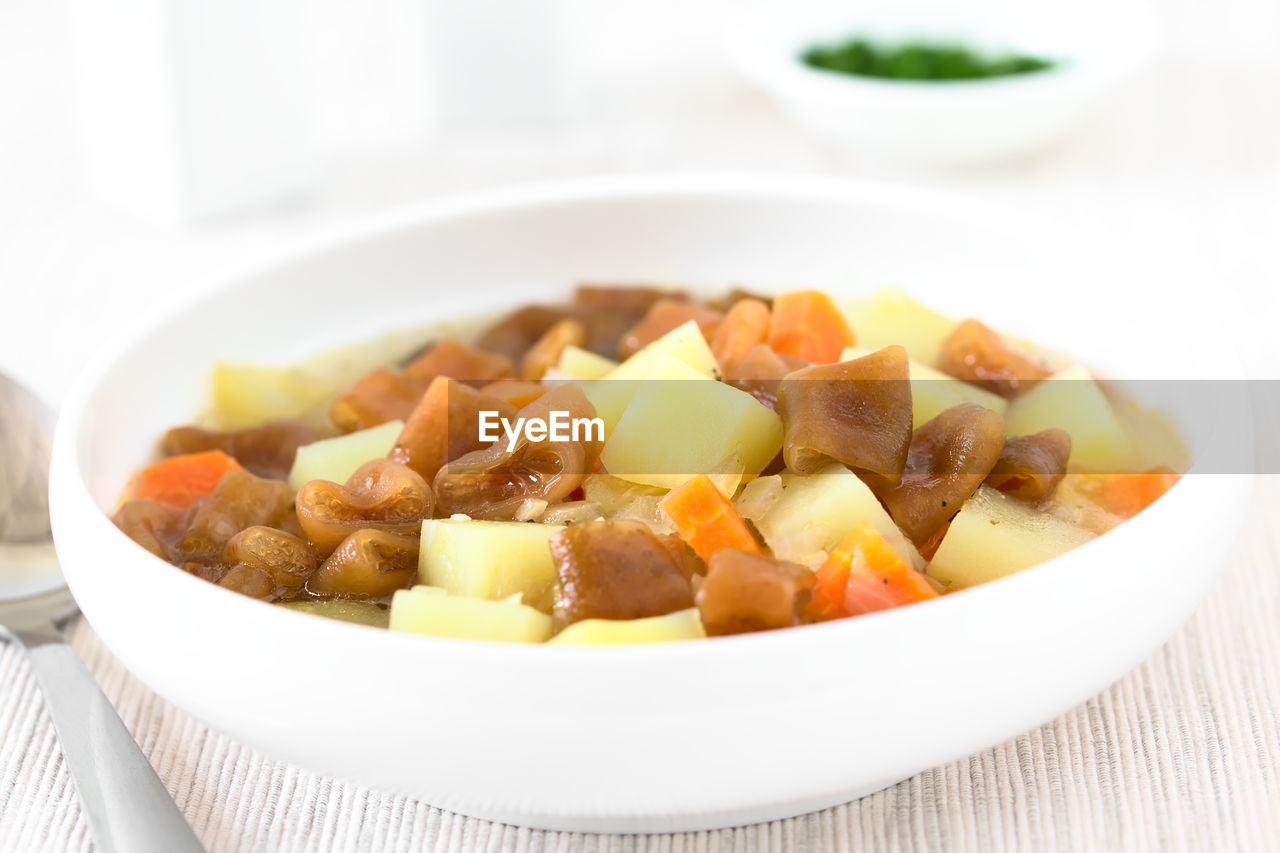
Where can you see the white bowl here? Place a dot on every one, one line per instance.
(646, 738)
(953, 122)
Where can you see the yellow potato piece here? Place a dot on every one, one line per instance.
(891, 317)
(247, 396)
(1072, 401)
(336, 459)
(687, 424)
(995, 535)
(815, 512)
(681, 625)
(683, 346)
(584, 364)
(489, 559)
(423, 610)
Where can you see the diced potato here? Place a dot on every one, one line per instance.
(489, 559)
(359, 612)
(683, 343)
(891, 317)
(584, 364)
(933, 392)
(682, 347)
(422, 610)
(336, 459)
(995, 535)
(815, 512)
(247, 396)
(688, 424)
(681, 625)
(1072, 401)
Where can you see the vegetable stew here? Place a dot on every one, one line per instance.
(641, 465)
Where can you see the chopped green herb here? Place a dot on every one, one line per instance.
(918, 61)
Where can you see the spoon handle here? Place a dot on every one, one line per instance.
(126, 804)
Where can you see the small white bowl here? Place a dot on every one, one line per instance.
(947, 123)
(670, 736)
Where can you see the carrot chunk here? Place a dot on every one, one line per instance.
(744, 327)
(864, 574)
(1126, 495)
(706, 520)
(177, 481)
(807, 324)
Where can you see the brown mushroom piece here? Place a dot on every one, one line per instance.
(1031, 466)
(760, 372)
(239, 501)
(368, 564)
(492, 483)
(608, 313)
(512, 336)
(664, 316)
(374, 399)
(267, 450)
(855, 412)
(285, 560)
(154, 526)
(746, 592)
(460, 361)
(444, 426)
(949, 458)
(381, 495)
(978, 355)
(616, 570)
(244, 579)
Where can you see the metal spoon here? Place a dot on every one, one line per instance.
(126, 804)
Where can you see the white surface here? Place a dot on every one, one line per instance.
(618, 739)
(191, 110)
(953, 123)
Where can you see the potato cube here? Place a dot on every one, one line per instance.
(336, 459)
(891, 317)
(686, 424)
(681, 625)
(489, 559)
(584, 364)
(247, 396)
(425, 610)
(683, 346)
(815, 512)
(1072, 401)
(995, 535)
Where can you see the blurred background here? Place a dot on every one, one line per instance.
(146, 144)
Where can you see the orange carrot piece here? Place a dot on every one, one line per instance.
(177, 481)
(517, 392)
(744, 327)
(807, 324)
(1126, 495)
(864, 574)
(706, 520)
